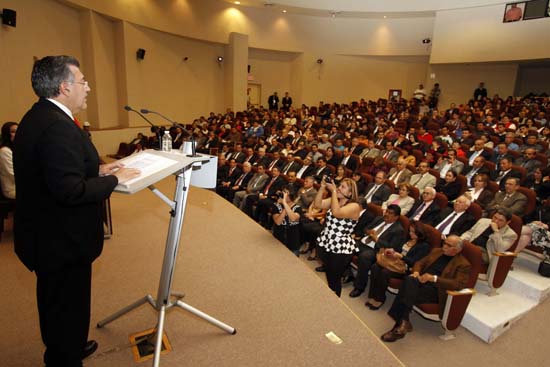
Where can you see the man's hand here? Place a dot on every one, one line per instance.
(126, 174)
(424, 278)
(109, 168)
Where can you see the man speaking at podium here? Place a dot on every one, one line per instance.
(58, 219)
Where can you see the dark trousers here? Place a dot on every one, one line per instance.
(411, 292)
(263, 211)
(310, 231)
(366, 258)
(64, 311)
(335, 266)
(379, 280)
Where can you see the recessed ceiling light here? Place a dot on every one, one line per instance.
(284, 10)
(385, 16)
(238, 2)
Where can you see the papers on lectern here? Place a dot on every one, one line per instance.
(147, 163)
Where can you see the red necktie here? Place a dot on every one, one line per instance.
(76, 122)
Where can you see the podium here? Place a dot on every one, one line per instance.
(197, 171)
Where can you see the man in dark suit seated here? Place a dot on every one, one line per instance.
(383, 232)
(477, 167)
(529, 161)
(240, 183)
(261, 158)
(61, 187)
(232, 174)
(276, 162)
(307, 169)
(505, 172)
(321, 169)
(377, 192)
(425, 209)
(269, 191)
(478, 152)
(348, 160)
(456, 220)
(290, 165)
(441, 270)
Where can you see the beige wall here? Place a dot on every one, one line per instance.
(478, 35)
(272, 70)
(43, 28)
(458, 81)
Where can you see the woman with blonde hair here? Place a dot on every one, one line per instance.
(336, 245)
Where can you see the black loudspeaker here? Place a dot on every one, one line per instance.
(140, 54)
(249, 69)
(9, 17)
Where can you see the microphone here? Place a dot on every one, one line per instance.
(154, 129)
(176, 124)
(128, 108)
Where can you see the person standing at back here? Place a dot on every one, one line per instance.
(58, 219)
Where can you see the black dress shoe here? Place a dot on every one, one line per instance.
(89, 348)
(355, 293)
(373, 307)
(321, 269)
(348, 279)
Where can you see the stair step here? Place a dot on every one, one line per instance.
(489, 317)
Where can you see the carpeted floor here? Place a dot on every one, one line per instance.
(237, 272)
(227, 267)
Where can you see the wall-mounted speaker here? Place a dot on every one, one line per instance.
(9, 17)
(249, 68)
(140, 54)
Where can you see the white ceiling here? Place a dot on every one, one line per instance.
(366, 8)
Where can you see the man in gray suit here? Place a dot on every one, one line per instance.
(449, 163)
(509, 199)
(423, 178)
(400, 173)
(307, 193)
(254, 186)
(370, 151)
(492, 234)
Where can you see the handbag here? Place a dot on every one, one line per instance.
(393, 264)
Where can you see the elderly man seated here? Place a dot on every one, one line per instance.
(492, 234)
(441, 270)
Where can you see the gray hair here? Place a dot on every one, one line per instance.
(49, 72)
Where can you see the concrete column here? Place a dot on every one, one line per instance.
(236, 63)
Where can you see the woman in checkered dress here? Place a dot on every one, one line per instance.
(335, 243)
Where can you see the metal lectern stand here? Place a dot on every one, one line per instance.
(163, 301)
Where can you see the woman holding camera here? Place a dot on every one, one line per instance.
(335, 245)
(286, 219)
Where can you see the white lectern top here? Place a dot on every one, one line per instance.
(156, 165)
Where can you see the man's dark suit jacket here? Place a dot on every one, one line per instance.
(364, 221)
(264, 161)
(502, 183)
(461, 225)
(393, 237)
(319, 177)
(351, 163)
(430, 215)
(294, 166)
(308, 172)
(380, 195)
(58, 220)
(279, 164)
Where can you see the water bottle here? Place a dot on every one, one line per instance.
(166, 142)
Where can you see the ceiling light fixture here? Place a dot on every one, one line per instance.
(284, 10)
(238, 2)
